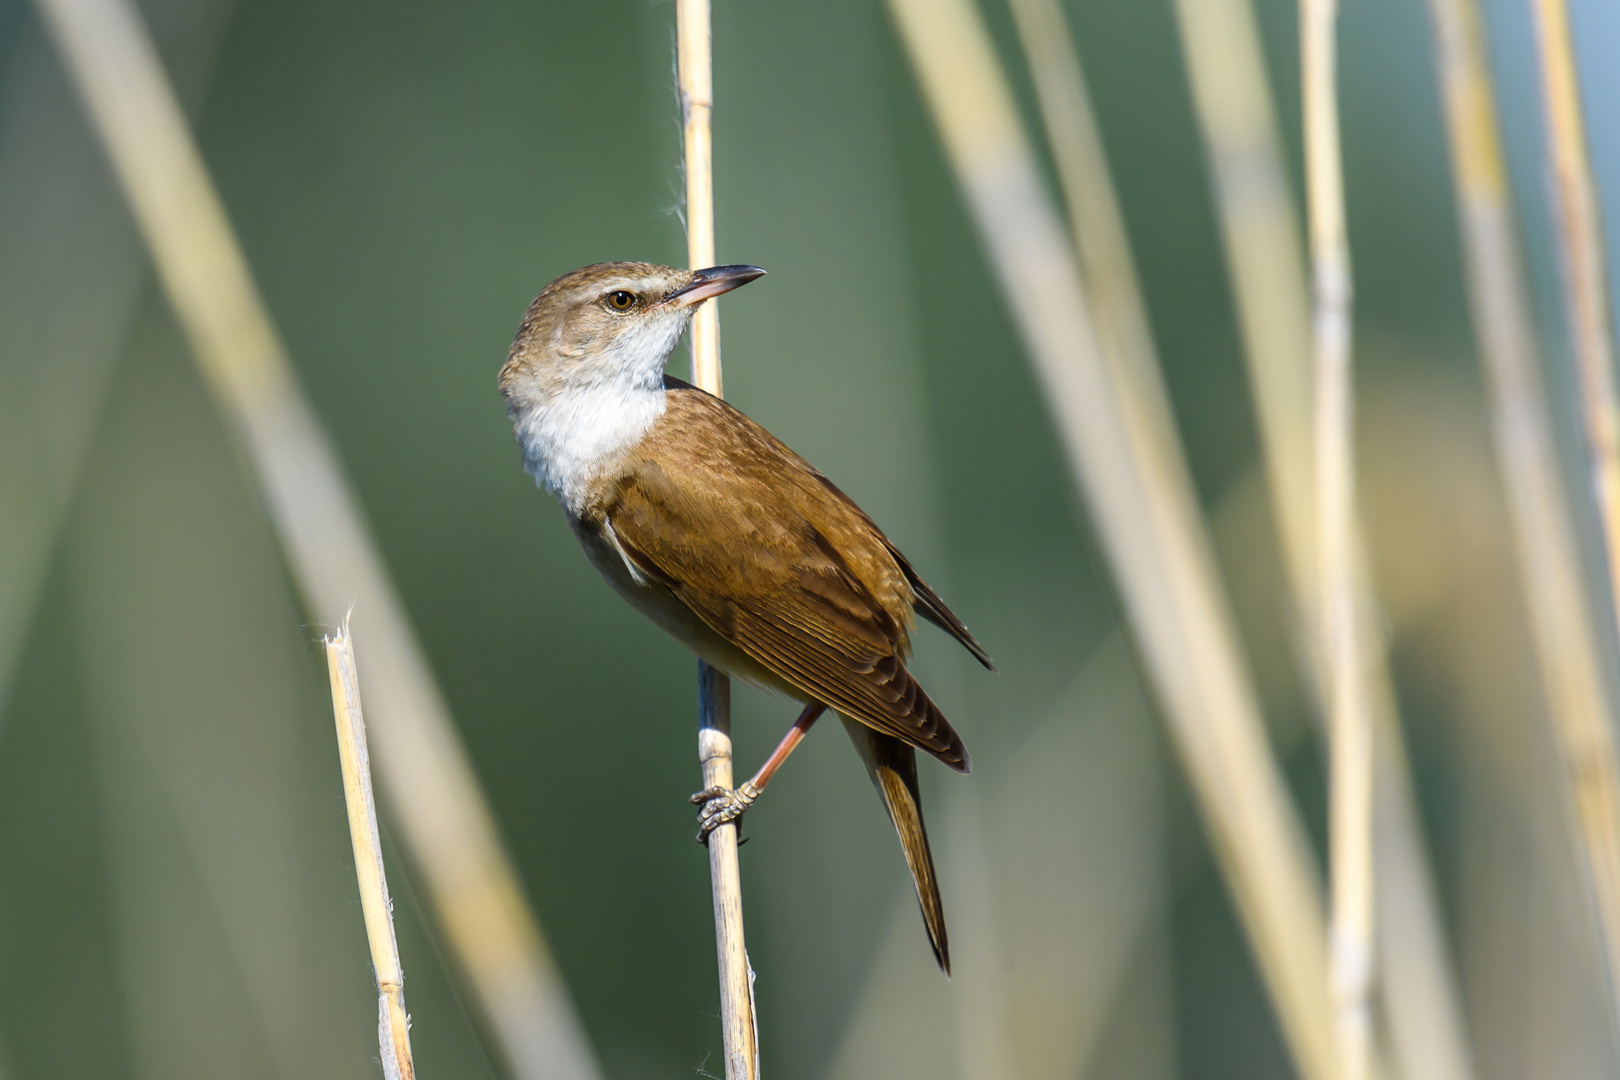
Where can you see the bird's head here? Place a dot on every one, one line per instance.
(608, 324)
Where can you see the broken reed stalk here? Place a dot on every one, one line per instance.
(445, 823)
(1350, 757)
(1584, 719)
(393, 1022)
(738, 1022)
(1141, 504)
(1261, 240)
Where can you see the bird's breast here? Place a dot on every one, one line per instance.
(572, 438)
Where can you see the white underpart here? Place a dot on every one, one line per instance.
(572, 433)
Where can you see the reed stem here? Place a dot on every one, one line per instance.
(445, 822)
(1141, 504)
(1349, 724)
(739, 1025)
(1261, 238)
(1586, 738)
(393, 1023)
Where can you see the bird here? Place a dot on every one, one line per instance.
(726, 539)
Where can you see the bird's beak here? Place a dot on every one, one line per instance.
(712, 282)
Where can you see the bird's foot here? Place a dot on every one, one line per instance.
(722, 805)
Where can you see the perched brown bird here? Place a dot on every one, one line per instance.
(726, 538)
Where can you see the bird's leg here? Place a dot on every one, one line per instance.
(722, 804)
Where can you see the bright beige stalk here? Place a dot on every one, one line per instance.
(1579, 701)
(1261, 239)
(1350, 816)
(393, 1022)
(739, 1025)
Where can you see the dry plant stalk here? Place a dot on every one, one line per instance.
(1261, 239)
(1349, 725)
(1567, 645)
(446, 824)
(1585, 277)
(1262, 244)
(738, 1022)
(1095, 219)
(393, 1022)
(1141, 505)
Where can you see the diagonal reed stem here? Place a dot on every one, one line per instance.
(1142, 508)
(446, 825)
(738, 1022)
(1584, 721)
(393, 1022)
(1350, 817)
(1094, 216)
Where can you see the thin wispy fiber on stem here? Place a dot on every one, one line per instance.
(445, 822)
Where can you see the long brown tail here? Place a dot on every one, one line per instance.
(892, 765)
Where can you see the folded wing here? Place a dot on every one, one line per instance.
(812, 591)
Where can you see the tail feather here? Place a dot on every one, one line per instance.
(892, 765)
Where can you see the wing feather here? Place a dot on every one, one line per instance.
(816, 594)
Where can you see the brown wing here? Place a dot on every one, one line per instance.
(810, 590)
(927, 600)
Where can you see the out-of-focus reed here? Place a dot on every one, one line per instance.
(1579, 700)
(445, 822)
(1262, 244)
(63, 244)
(1350, 757)
(393, 1022)
(1579, 231)
(1142, 508)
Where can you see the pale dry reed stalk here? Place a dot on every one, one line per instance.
(1350, 757)
(1261, 239)
(1586, 740)
(1141, 505)
(1124, 337)
(445, 823)
(1579, 229)
(738, 1021)
(393, 1022)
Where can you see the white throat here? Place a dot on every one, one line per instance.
(572, 433)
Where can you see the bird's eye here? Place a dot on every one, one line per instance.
(619, 300)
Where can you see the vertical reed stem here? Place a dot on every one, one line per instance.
(1589, 749)
(393, 1023)
(737, 1020)
(1349, 724)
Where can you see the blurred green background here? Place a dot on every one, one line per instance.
(176, 887)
